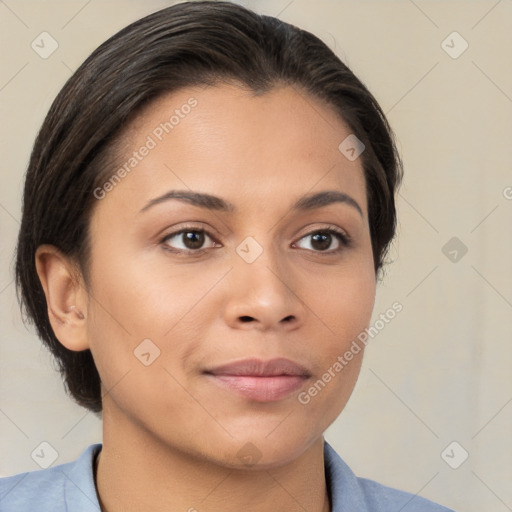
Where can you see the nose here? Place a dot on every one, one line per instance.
(261, 295)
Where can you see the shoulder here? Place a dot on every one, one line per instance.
(349, 492)
(382, 498)
(53, 489)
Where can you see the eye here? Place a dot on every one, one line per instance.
(193, 240)
(187, 240)
(322, 240)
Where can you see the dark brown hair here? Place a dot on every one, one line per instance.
(187, 44)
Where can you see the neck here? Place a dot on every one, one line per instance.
(150, 476)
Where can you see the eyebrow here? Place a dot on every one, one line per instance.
(210, 202)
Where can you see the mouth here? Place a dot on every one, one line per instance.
(260, 381)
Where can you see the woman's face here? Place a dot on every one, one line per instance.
(258, 273)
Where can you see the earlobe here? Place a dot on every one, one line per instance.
(65, 297)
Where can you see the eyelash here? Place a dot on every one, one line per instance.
(344, 240)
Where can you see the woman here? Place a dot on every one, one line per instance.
(206, 211)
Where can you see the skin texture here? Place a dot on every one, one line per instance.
(172, 436)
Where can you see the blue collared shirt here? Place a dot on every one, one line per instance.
(70, 488)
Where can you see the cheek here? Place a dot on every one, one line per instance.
(143, 298)
(343, 303)
(133, 300)
(349, 302)
(342, 308)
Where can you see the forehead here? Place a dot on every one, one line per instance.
(227, 141)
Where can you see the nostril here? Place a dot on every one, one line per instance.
(246, 318)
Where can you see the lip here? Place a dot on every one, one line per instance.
(261, 381)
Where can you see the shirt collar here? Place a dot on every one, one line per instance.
(79, 489)
(344, 490)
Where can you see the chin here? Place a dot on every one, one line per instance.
(263, 451)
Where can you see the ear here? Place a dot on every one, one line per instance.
(66, 297)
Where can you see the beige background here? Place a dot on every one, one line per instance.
(441, 370)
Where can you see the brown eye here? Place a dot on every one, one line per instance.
(322, 241)
(187, 240)
(193, 239)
